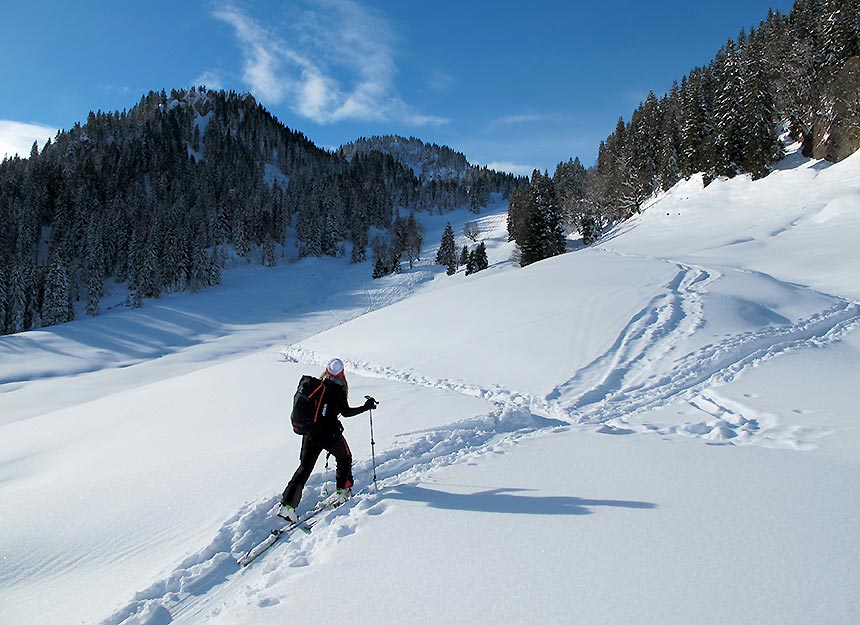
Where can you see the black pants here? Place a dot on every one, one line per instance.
(312, 447)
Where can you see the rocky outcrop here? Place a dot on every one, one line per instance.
(836, 130)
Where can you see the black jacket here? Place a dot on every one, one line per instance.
(334, 404)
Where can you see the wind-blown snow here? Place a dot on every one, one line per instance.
(661, 428)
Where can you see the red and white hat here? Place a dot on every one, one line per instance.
(334, 368)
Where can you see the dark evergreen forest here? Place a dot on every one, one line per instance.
(157, 196)
(793, 77)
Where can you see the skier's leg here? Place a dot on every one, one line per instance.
(339, 448)
(307, 459)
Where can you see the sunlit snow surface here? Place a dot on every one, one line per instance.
(662, 428)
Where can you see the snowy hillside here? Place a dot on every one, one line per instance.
(661, 428)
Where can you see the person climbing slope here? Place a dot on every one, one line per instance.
(329, 400)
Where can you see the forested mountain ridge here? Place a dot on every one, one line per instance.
(427, 160)
(155, 197)
(794, 77)
(441, 170)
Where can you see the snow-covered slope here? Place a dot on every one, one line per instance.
(658, 429)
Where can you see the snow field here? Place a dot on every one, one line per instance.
(658, 429)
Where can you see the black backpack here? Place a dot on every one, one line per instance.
(306, 405)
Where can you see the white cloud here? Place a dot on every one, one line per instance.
(261, 64)
(427, 120)
(512, 168)
(110, 88)
(18, 137)
(441, 81)
(334, 62)
(507, 120)
(209, 79)
(526, 118)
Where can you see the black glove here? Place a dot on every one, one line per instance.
(370, 403)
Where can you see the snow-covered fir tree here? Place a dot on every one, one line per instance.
(544, 236)
(447, 252)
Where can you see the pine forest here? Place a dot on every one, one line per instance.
(162, 197)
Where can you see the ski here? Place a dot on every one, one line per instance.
(305, 523)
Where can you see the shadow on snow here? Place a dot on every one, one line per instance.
(505, 501)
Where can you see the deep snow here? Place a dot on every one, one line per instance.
(658, 429)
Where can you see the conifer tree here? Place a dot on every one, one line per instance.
(267, 252)
(148, 278)
(518, 216)
(544, 237)
(379, 268)
(198, 278)
(16, 311)
(216, 261)
(668, 166)
(4, 290)
(570, 186)
(95, 275)
(696, 124)
(359, 246)
(470, 263)
(408, 237)
(387, 258)
(447, 253)
(481, 262)
(728, 138)
(56, 304)
(36, 277)
(589, 228)
(758, 120)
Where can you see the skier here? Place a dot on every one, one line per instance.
(328, 436)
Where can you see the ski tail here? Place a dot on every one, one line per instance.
(305, 523)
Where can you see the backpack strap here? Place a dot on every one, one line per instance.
(319, 403)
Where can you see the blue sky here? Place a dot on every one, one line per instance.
(515, 85)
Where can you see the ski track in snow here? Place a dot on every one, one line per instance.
(626, 380)
(422, 452)
(645, 368)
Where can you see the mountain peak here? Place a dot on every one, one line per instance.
(428, 161)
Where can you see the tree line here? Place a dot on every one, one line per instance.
(473, 260)
(158, 198)
(796, 75)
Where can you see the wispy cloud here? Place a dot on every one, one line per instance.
(526, 118)
(209, 79)
(425, 120)
(334, 62)
(18, 137)
(441, 81)
(120, 89)
(261, 58)
(512, 168)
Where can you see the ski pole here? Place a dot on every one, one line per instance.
(373, 446)
(325, 490)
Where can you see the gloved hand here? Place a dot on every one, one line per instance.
(370, 403)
